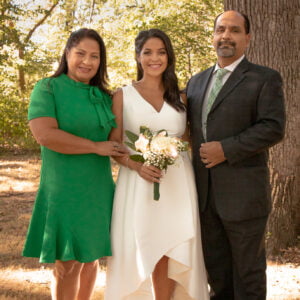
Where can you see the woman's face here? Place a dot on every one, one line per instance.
(83, 60)
(153, 57)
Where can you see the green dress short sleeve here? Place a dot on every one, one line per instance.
(42, 102)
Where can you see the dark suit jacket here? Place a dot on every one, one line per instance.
(247, 117)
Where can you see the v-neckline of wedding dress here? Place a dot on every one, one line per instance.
(142, 98)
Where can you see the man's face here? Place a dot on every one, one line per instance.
(230, 38)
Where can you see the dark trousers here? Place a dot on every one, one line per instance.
(234, 255)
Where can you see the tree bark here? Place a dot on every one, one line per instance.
(275, 43)
(21, 71)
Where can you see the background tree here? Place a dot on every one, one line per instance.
(21, 62)
(18, 34)
(190, 35)
(275, 43)
(33, 34)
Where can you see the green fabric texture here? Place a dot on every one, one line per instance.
(72, 212)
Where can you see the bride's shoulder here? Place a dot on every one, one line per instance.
(122, 89)
(118, 95)
(121, 93)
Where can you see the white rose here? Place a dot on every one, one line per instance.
(141, 144)
(160, 144)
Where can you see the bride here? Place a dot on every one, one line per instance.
(156, 245)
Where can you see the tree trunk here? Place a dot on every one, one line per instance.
(275, 43)
(22, 46)
(92, 11)
(21, 72)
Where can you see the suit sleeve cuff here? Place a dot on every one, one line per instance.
(229, 150)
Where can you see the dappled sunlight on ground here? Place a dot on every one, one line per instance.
(30, 284)
(19, 176)
(17, 186)
(40, 276)
(283, 280)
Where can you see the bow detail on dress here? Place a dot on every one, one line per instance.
(102, 103)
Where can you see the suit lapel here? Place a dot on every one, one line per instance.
(235, 78)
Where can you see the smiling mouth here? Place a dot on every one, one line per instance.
(84, 70)
(155, 66)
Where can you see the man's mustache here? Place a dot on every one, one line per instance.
(226, 44)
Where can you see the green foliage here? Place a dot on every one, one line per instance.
(13, 123)
(189, 25)
(33, 35)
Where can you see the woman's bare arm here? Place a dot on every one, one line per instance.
(46, 132)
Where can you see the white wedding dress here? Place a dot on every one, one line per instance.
(144, 230)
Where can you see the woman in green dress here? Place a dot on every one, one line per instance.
(70, 117)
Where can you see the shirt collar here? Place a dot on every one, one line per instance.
(232, 66)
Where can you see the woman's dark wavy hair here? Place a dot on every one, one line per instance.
(169, 78)
(101, 78)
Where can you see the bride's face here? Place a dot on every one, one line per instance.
(153, 57)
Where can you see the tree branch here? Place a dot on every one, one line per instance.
(92, 11)
(48, 13)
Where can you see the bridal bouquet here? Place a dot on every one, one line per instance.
(156, 148)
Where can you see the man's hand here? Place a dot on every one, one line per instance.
(212, 154)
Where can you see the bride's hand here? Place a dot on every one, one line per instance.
(149, 173)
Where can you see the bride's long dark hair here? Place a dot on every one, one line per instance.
(169, 78)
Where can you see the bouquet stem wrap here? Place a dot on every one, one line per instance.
(156, 193)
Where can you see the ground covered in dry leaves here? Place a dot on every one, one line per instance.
(24, 278)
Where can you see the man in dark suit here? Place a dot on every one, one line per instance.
(235, 117)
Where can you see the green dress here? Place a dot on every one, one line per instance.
(72, 212)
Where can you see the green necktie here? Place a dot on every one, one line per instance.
(215, 89)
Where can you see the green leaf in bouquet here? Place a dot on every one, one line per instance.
(131, 136)
(146, 132)
(137, 157)
(130, 145)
